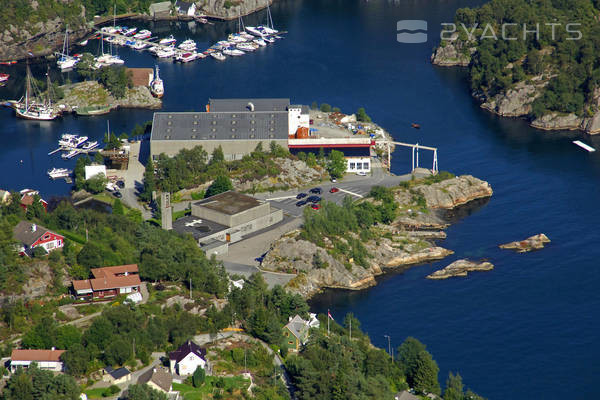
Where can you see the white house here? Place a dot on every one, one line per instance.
(358, 164)
(45, 359)
(186, 8)
(93, 170)
(187, 358)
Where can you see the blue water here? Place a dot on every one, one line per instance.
(525, 330)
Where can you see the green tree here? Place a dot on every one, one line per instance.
(76, 359)
(325, 107)
(96, 183)
(362, 116)
(217, 156)
(149, 181)
(98, 159)
(117, 207)
(144, 392)
(198, 377)
(314, 105)
(454, 387)
(336, 165)
(219, 185)
(118, 351)
(425, 378)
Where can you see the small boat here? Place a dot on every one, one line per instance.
(217, 55)
(143, 34)
(130, 43)
(236, 37)
(139, 45)
(231, 51)
(166, 52)
(89, 145)
(156, 86)
(83, 43)
(416, 126)
(584, 146)
(260, 42)
(202, 20)
(167, 40)
(71, 141)
(246, 46)
(4, 77)
(268, 39)
(56, 173)
(186, 57)
(201, 55)
(130, 31)
(7, 62)
(72, 153)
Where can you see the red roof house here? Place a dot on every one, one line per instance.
(45, 359)
(28, 197)
(109, 282)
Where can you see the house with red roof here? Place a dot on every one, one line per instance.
(28, 197)
(45, 359)
(109, 282)
(31, 235)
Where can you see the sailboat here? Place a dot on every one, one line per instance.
(28, 108)
(156, 86)
(262, 30)
(64, 60)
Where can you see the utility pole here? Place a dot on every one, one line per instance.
(350, 328)
(190, 288)
(389, 346)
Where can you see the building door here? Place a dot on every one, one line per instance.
(228, 237)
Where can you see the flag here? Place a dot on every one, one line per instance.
(329, 315)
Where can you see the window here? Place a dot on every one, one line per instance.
(358, 165)
(352, 165)
(366, 165)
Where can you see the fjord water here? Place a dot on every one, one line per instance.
(527, 329)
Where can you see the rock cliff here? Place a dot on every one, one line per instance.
(230, 9)
(452, 54)
(454, 192)
(461, 268)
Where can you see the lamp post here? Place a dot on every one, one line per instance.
(389, 346)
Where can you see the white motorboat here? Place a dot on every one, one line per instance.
(139, 45)
(217, 55)
(187, 43)
(186, 57)
(156, 85)
(166, 52)
(260, 42)
(268, 39)
(233, 52)
(246, 46)
(56, 173)
(70, 154)
(84, 43)
(188, 47)
(143, 34)
(130, 31)
(237, 38)
(167, 40)
(107, 59)
(66, 139)
(90, 145)
(154, 49)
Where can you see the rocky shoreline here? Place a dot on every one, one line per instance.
(516, 102)
(408, 241)
(460, 268)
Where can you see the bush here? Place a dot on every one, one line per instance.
(198, 377)
(325, 107)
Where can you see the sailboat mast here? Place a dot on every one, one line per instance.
(49, 86)
(270, 18)
(28, 87)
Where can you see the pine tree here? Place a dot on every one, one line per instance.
(149, 181)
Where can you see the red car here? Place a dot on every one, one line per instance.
(315, 206)
(334, 190)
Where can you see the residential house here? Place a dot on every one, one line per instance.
(296, 333)
(45, 359)
(4, 196)
(159, 10)
(185, 8)
(28, 197)
(116, 376)
(31, 235)
(187, 358)
(405, 395)
(109, 282)
(157, 378)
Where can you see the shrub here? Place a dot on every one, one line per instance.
(325, 107)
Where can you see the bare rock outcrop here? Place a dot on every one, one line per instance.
(92, 93)
(535, 242)
(556, 121)
(294, 173)
(516, 102)
(228, 9)
(461, 268)
(452, 54)
(454, 192)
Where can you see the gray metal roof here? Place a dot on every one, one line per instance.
(24, 233)
(220, 126)
(197, 227)
(298, 327)
(160, 7)
(229, 202)
(220, 105)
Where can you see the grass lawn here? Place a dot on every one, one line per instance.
(230, 385)
(94, 393)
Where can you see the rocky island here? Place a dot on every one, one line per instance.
(521, 78)
(461, 268)
(325, 256)
(535, 242)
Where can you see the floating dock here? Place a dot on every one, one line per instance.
(584, 146)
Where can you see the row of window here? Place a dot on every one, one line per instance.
(359, 166)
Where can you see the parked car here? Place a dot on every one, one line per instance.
(333, 180)
(301, 196)
(315, 206)
(334, 190)
(314, 199)
(316, 190)
(361, 173)
(117, 194)
(301, 203)
(121, 184)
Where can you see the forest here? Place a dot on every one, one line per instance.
(567, 58)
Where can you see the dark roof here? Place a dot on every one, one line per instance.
(201, 126)
(197, 226)
(229, 202)
(185, 349)
(224, 105)
(23, 232)
(117, 373)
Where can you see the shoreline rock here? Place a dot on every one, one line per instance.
(535, 242)
(454, 192)
(460, 268)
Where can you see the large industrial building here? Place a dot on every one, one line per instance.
(237, 125)
(226, 218)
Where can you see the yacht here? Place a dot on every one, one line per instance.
(143, 34)
(56, 173)
(166, 52)
(72, 153)
(260, 42)
(268, 39)
(232, 51)
(167, 40)
(89, 145)
(28, 108)
(246, 46)
(66, 138)
(217, 55)
(187, 43)
(186, 57)
(236, 37)
(156, 86)
(139, 45)
(64, 60)
(130, 31)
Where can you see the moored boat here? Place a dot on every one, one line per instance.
(217, 55)
(70, 154)
(165, 52)
(156, 86)
(90, 145)
(4, 77)
(167, 40)
(56, 173)
(143, 34)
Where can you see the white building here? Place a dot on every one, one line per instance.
(45, 359)
(93, 170)
(358, 164)
(187, 358)
(186, 8)
(298, 117)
